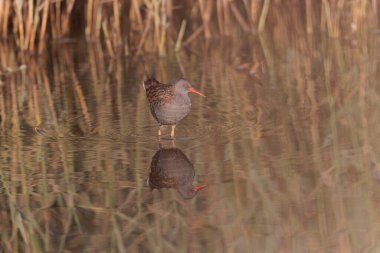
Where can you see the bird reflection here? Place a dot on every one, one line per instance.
(170, 168)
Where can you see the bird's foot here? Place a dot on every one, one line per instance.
(159, 133)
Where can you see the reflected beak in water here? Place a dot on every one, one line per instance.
(199, 187)
(195, 91)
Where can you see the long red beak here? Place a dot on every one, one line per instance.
(199, 187)
(195, 91)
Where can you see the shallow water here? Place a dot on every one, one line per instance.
(287, 142)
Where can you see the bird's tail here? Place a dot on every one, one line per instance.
(150, 80)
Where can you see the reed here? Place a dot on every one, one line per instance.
(287, 140)
(89, 186)
(155, 22)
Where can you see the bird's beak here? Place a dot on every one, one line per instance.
(195, 91)
(199, 187)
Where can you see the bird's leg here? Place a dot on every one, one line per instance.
(159, 131)
(172, 133)
(159, 140)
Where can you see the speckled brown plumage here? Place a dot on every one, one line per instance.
(169, 103)
(160, 93)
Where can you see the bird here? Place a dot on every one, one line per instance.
(170, 168)
(169, 103)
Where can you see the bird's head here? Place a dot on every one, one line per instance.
(184, 86)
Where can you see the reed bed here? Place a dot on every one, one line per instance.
(287, 139)
(141, 26)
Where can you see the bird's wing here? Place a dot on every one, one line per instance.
(162, 93)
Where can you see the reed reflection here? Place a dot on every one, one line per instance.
(171, 168)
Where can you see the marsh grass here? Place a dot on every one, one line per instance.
(141, 26)
(296, 169)
(287, 139)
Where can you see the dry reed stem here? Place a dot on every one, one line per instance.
(67, 15)
(52, 21)
(2, 10)
(98, 20)
(180, 36)
(244, 25)
(33, 26)
(49, 98)
(116, 25)
(29, 24)
(2, 109)
(45, 13)
(35, 103)
(254, 11)
(6, 9)
(205, 8)
(18, 19)
(79, 93)
(14, 117)
(309, 17)
(144, 36)
(329, 19)
(227, 17)
(219, 13)
(58, 16)
(108, 39)
(161, 49)
(192, 37)
(135, 11)
(263, 16)
(31, 19)
(89, 18)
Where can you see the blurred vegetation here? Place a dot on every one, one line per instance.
(287, 139)
(138, 26)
